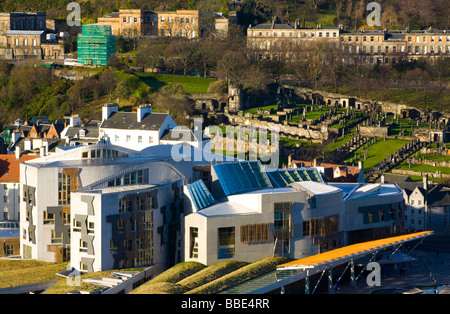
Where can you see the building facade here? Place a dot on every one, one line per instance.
(131, 23)
(365, 46)
(180, 23)
(134, 130)
(25, 35)
(10, 185)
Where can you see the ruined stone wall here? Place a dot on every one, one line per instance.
(374, 131)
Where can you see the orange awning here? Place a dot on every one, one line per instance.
(352, 250)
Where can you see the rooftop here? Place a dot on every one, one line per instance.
(128, 121)
(316, 188)
(227, 208)
(9, 167)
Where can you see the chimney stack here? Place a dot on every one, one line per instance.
(142, 111)
(108, 109)
(425, 182)
(17, 152)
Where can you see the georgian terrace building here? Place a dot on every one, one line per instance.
(365, 46)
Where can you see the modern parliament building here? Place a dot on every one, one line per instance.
(251, 213)
(103, 206)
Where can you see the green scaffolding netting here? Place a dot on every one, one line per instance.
(95, 44)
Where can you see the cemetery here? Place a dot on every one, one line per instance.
(346, 130)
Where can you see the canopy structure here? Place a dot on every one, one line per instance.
(339, 256)
(304, 268)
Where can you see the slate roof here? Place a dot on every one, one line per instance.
(128, 121)
(270, 26)
(90, 132)
(439, 196)
(178, 135)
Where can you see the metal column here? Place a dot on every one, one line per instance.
(330, 281)
(307, 282)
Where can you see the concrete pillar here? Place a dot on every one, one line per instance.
(330, 281)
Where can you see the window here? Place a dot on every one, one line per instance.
(255, 233)
(370, 215)
(193, 20)
(162, 19)
(64, 181)
(76, 225)
(148, 220)
(91, 227)
(139, 139)
(56, 237)
(124, 205)
(25, 42)
(124, 19)
(135, 20)
(194, 242)
(128, 138)
(282, 217)
(150, 139)
(321, 226)
(113, 246)
(226, 239)
(49, 218)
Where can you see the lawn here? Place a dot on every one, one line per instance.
(191, 85)
(378, 151)
(425, 168)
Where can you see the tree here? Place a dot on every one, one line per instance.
(152, 53)
(232, 66)
(206, 55)
(180, 53)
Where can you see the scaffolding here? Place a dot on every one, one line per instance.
(96, 44)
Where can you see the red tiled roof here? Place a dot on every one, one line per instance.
(9, 167)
